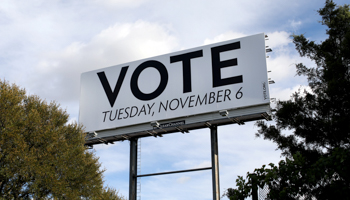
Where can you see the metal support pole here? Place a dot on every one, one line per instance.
(215, 162)
(174, 172)
(133, 169)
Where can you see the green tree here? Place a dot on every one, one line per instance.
(42, 155)
(317, 153)
(111, 193)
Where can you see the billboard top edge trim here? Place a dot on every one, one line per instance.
(173, 52)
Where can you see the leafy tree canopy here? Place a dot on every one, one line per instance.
(317, 154)
(41, 155)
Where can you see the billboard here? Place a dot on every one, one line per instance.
(229, 75)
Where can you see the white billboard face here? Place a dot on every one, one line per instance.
(226, 75)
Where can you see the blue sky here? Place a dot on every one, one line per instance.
(46, 45)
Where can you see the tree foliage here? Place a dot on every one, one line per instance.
(317, 154)
(109, 194)
(41, 155)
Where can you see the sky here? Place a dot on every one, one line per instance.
(46, 45)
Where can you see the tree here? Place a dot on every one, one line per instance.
(42, 155)
(111, 193)
(317, 153)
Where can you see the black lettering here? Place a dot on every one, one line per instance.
(150, 108)
(120, 113)
(115, 116)
(218, 96)
(227, 94)
(239, 93)
(217, 65)
(183, 103)
(112, 95)
(104, 119)
(264, 91)
(191, 100)
(143, 110)
(164, 107)
(203, 100)
(132, 108)
(127, 112)
(162, 85)
(178, 103)
(186, 67)
(212, 97)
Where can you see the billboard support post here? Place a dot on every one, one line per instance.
(215, 161)
(208, 86)
(214, 166)
(133, 169)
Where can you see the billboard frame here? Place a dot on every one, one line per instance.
(253, 106)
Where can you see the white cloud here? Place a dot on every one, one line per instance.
(285, 93)
(282, 61)
(223, 37)
(278, 39)
(282, 67)
(120, 43)
(120, 3)
(295, 25)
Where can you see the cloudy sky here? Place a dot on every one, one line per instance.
(46, 45)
